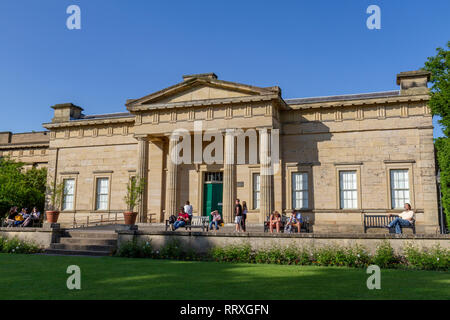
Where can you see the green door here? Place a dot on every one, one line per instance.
(212, 198)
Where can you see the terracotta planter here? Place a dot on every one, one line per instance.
(130, 217)
(52, 216)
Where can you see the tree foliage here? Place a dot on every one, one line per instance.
(439, 103)
(20, 187)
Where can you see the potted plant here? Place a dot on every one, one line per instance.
(55, 192)
(135, 188)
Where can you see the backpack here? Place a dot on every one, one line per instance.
(172, 219)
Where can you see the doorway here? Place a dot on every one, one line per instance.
(212, 193)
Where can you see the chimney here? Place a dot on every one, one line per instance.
(66, 112)
(5, 137)
(413, 82)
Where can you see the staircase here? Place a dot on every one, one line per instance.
(85, 243)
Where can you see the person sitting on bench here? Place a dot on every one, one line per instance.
(295, 221)
(404, 219)
(215, 219)
(20, 217)
(275, 221)
(11, 217)
(182, 219)
(34, 216)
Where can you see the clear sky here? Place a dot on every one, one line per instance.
(127, 49)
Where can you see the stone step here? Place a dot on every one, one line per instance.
(76, 252)
(90, 234)
(89, 241)
(78, 247)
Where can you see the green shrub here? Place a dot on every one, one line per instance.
(15, 245)
(436, 258)
(232, 253)
(135, 249)
(172, 250)
(385, 256)
(357, 256)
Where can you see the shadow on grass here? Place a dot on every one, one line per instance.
(44, 277)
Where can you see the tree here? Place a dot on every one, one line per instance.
(20, 187)
(440, 106)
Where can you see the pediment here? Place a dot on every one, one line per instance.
(200, 89)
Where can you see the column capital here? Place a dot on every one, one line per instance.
(264, 128)
(141, 137)
(228, 131)
(173, 135)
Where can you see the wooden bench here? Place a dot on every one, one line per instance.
(381, 221)
(195, 222)
(34, 223)
(305, 226)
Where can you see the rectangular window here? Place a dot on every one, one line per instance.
(348, 189)
(256, 190)
(299, 190)
(69, 194)
(399, 188)
(102, 194)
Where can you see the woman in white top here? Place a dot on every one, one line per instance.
(403, 220)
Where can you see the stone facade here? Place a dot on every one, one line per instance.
(31, 148)
(368, 136)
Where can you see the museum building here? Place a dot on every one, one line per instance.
(333, 158)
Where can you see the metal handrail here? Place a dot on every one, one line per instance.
(110, 217)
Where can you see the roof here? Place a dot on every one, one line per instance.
(105, 116)
(346, 97)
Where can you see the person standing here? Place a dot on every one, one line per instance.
(238, 215)
(244, 216)
(188, 209)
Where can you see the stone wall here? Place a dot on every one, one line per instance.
(201, 242)
(41, 237)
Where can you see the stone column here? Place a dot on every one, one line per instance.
(142, 174)
(172, 177)
(229, 178)
(266, 175)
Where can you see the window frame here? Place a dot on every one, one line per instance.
(63, 202)
(356, 166)
(300, 190)
(391, 189)
(256, 206)
(399, 165)
(342, 191)
(67, 176)
(94, 191)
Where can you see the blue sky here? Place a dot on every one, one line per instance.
(127, 49)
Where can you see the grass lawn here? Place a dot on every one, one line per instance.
(44, 277)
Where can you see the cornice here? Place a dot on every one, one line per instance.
(205, 103)
(24, 145)
(78, 123)
(362, 102)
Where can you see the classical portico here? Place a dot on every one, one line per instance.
(221, 108)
